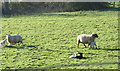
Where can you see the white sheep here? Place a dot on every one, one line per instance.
(2, 43)
(86, 39)
(77, 55)
(13, 39)
(92, 44)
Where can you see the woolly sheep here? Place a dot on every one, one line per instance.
(86, 39)
(77, 55)
(2, 43)
(13, 39)
(92, 44)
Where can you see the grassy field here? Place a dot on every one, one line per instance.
(50, 39)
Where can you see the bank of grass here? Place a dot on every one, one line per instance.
(50, 38)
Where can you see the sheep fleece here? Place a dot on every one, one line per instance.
(84, 39)
(15, 39)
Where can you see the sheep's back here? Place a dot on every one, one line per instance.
(84, 38)
(15, 38)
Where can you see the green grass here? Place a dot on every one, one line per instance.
(53, 39)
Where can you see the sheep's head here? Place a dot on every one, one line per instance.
(7, 35)
(94, 35)
(2, 43)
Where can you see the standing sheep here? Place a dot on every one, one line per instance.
(92, 44)
(86, 39)
(2, 43)
(13, 39)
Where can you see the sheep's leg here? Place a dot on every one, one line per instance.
(85, 46)
(89, 44)
(9, 44)
(18, 44)
(95, 46)
(78, 42)
(78, 45)
(22, 43)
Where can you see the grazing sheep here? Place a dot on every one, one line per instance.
(86, 39)
(92, 44)
(13, 39)
(2, 43)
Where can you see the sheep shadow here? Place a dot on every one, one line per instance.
(32, 46)
(107, 49)
(83, 58)
(15, 47)
(10, 47)
(22, 47)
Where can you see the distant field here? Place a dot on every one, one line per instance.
(50, 39)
